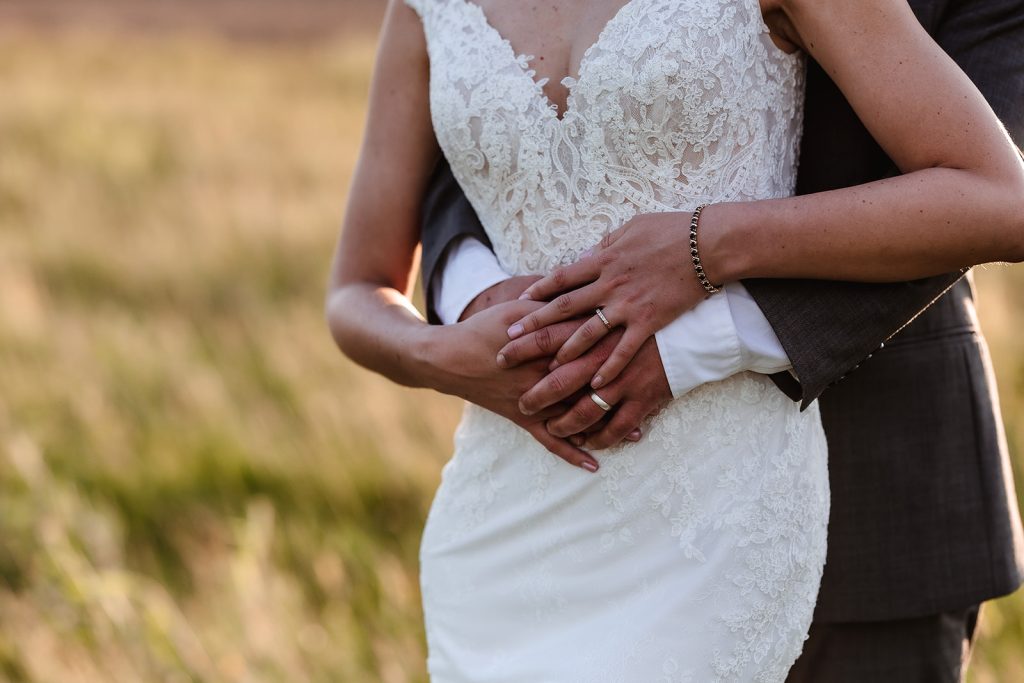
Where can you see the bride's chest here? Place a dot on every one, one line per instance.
(556, 34)
(660, 66)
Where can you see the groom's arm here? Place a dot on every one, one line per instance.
(446, 217)
(828, 328)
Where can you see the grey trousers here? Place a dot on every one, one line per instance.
(931, 649)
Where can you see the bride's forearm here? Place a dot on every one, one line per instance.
(959, 202)
(925, 223)
(378, 328)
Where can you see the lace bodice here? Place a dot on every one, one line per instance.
(678, 102)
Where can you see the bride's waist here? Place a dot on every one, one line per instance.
(704, 414)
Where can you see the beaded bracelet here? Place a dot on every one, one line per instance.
(695, 255)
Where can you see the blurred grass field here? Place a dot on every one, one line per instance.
(196, 486)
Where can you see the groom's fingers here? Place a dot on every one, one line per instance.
(582, 416)
(559, 384)
(627, 418)
(589, 333)
(565, 380)
(551, 412)
(620, 357)
(540, 344)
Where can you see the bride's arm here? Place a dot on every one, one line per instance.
(367, 307)
(960, 201)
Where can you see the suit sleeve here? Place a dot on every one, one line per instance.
(446, 216)
(827, 328)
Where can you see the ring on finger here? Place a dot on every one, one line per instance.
(604, 319)
(601, 403)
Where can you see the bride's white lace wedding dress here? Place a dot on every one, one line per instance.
(695, 554)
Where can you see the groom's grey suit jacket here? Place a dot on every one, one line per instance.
(924, 514)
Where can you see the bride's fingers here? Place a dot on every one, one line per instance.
(561, 308)
(543, 343)
(567, 277)
(562, 448)
(620, 357)
(588, 334)
(582, 416)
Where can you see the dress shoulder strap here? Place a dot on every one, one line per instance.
(421, 7)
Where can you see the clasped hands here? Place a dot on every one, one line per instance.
(552, 355)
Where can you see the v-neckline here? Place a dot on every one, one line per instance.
(522, 59)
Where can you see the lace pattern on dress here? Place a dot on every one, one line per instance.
(678, 102)
(718, 516)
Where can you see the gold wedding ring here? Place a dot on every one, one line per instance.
(600, 314)
(601, 403)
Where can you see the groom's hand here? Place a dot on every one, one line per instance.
(506, 290)
(640, 391)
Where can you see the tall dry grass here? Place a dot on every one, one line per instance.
(196, 486)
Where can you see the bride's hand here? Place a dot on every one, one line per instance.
(640, 275)
(468, 368)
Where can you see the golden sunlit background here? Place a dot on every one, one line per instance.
(196, 486)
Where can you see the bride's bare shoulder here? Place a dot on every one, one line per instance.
(403, 27)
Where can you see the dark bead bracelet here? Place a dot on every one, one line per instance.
(695, 255)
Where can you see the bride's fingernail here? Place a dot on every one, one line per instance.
(525, 411)
(597, 382)
(525, 295)
(634, 435)
(501, 361)
(589, 466)
(554, 364)
(515, 331)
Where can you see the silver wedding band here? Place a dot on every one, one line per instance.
(600, 314)
(601, 403)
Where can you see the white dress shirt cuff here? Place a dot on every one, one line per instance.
(466, 269)
(762, 351)
(699, 346)
(724, 334)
